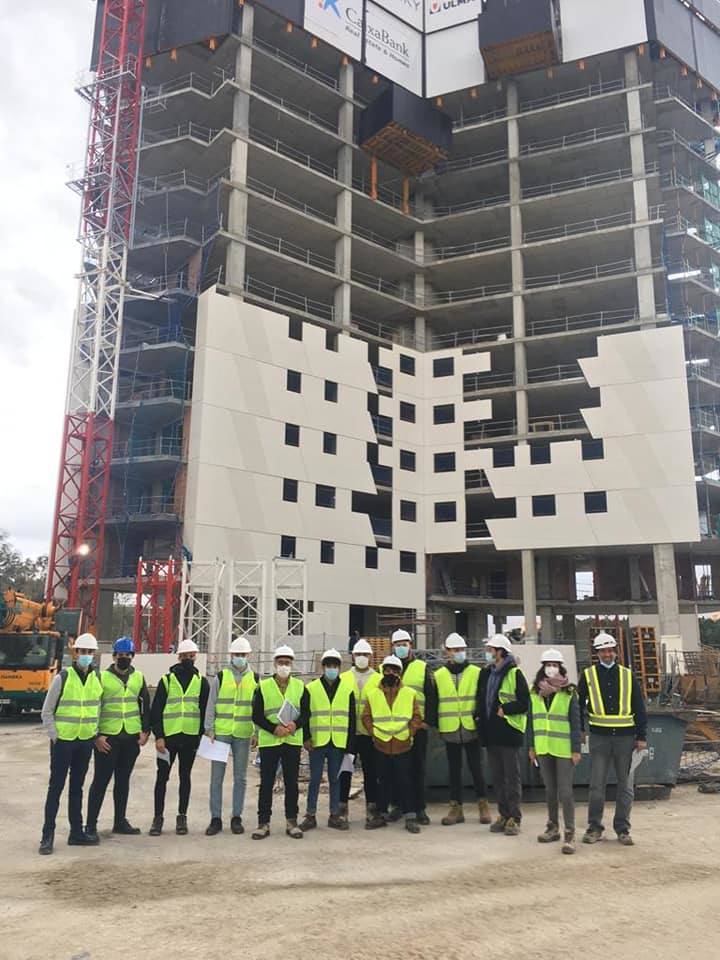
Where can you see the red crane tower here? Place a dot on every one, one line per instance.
(107, 187)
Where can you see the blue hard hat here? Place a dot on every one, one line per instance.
(124, 645)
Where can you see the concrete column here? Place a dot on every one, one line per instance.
(238, 203)
(547, 624)
(527, 558)
(343, 212)
(568, 627)
(667, 592)
(635, 583)
(498, 622)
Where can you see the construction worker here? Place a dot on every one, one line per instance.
(70, 715)
(123, 729)
(554, 734)
(420, 679)
(329, 734)
(617, 719)
(501, 712)
(281, 706)
(391, 715)
(362, 678)
(176, 718)
(228, 718)
(457, 684)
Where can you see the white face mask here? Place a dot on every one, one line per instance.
(361, 661)
(551, 671)
(283, 671)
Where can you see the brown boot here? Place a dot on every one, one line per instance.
(498, 826)
(552, 833)
(512, 827)
(484, 811)
(454, 815)
(569, 844)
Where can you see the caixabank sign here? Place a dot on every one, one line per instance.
(337, 22)
(393, 48)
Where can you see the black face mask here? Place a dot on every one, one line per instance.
(390, 680)
(187, 664)
(123, 663)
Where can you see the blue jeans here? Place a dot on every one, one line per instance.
(334, 757)
(240, 750)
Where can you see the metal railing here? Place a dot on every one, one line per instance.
(189, 81)
(177, 230)
(154, 390)
(154, 447)
(550, 423)
(559, 421)
(153, 336)
(680, 272)
(477, 530)
(469, 163)
(577, 183)
(188, 129)
(145, 506)
(667, 138)
(476, 480)
(597, 272)
(444, 297)
(474, 382)
(468, 205)
(582, 226)
(704, 420)
(403, 249)
(699, 321)
(287, 200)
(561, 371)
(702, 370)
(380, 285)
(296, 109)
(569, 96)
(707, 470)
(581, 321)
(384, 194)
(467, 338)
(291, 61)
(488, 429)
(151, 186)
(383, 331)
(680, 225)
(465, 249)
(288, 249)
(475, 119)
(288, 298)
(287, 150)
(573, 139)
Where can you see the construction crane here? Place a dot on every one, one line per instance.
(107, 187)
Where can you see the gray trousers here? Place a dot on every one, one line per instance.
(239, 751)
(557, 774)
(604, 751)
(505, 767)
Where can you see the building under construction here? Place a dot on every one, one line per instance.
(420, 296)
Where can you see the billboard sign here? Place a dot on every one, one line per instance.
(446, 13)
(337, 22)
(393, 49)
(409, 11)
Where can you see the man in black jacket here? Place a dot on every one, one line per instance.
(612, 699)
(501, 715)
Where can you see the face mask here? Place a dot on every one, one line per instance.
(459, 656)
(332, 673)
(239, 662)
(123, 663)
(283, 671)
(552, 672)
(187, 664)
(84, 660)
(390, 680)
(607, 665)
(362, 662)
(402, 652)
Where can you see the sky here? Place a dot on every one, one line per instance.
(43, 127)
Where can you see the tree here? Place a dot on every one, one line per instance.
(709, 632)
(25, 574)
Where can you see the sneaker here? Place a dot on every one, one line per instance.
(156, 827)
(569, 843)
(454, 815)
(592, 836)
(126, 829)
(412, 826)
(263, 830)
(336, 822)
(552, 833)
(375, 822)
(484, 811)
(293, 830)
(215, 826)
(423, 819)
(181, 827)
(46, 845)
(395, 814)
(236, 825)
(625, 839)
(309, 823)
(499, 825)
(83, 840)
(512, 827)
(92, 836)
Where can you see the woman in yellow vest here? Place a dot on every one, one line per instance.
(328, 735)
(176, 718)
(555, 735)
(392, 718)
(70, 717)
(280, 712)
(228, 718)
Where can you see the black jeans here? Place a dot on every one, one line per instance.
(394, 773)
(505, 766)
(289, 755)
(73, 757)
(454, 759)
(417, 770)
(184, 747)
(124, 751)
(366, 751)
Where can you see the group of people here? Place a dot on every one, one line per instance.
(380, 718)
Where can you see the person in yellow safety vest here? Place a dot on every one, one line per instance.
(416, 676)
(176, 718)
(457, 684)
(124, 728)
(281, 705)
(554, 736)
(617, 718)
(391, 716)
(501, 713)
(362, 678)
(329, 735)
(70, 716)
(228, 719)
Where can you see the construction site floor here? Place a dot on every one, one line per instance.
(448, 894)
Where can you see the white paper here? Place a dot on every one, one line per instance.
(347, 765)
(288, 713)
(637, 758)
(163, 755)
(213, 750)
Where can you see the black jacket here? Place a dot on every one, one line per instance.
(331, 689)
(609, 680)
(160, 699)
(494, 731)
(258, 711)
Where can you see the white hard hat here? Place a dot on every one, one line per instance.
(362, 646)
(603, 641)
(188, 646)
(284, 651)
(392, 662)
(87, 641)
(401, 636)
(331, 654)
(552, 656)
(500, 642)
(455, 642)
(240, 645)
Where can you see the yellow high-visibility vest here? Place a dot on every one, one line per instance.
(119, 709)
(273, 698)
(456, 704)
(414, 677)
(181, 713)
(597, 717)
(551, 728)
(78, 709)
(233, 707)
(329, 719)
(506, 694)
(391, 722)
(348, 676)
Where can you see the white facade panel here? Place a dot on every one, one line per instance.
(440, 14)
(453, 60)
(337, 22)
(590, 28)
(409, 11)
(394, 49)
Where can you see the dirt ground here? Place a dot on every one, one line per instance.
(449, 893)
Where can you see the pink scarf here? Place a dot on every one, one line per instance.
(548, 686)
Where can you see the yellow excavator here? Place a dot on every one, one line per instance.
(35, 637)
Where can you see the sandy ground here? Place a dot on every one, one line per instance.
(449, 893)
